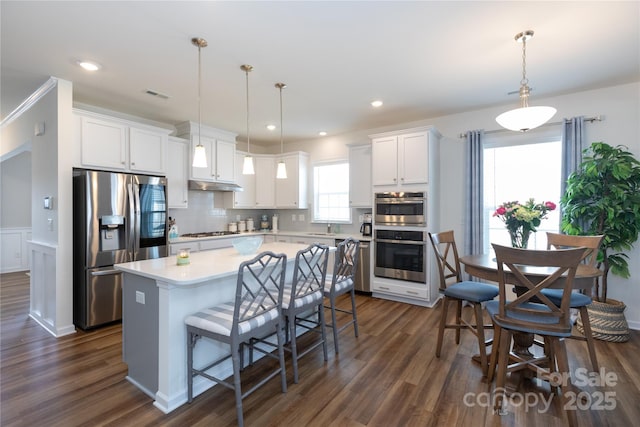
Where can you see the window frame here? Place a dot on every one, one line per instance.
(314, 210)
(510, 139)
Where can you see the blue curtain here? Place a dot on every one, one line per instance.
(473, 185)
(573, 134)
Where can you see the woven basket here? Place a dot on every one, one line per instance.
(607, 321)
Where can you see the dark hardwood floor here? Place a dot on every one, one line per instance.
(388, 376)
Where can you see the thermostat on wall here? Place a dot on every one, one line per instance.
(48, 202)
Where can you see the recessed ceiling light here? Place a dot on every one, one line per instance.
(89, 66)
(376, 103)
(271, 127)
(322, 133)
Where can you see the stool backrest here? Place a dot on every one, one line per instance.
(446, 251)
(310, 270)
(532, 271)
(565, 241)
(346, 261)
(260, 286)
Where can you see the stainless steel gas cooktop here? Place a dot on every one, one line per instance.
(209, 234)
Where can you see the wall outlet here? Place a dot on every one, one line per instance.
(140, 297)
(293, 217)
(301, 217)
(50, 224)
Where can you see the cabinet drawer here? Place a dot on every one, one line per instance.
(410, 291)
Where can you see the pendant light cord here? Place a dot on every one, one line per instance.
(246, 69)
(281, 86)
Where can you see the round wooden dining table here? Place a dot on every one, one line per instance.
(484, 266)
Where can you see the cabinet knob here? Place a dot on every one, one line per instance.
(133, 163)
(122, 163)
(394, 179)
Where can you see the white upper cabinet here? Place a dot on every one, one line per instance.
(147, 151)
(291, 192)
(265, 168)
(360, 176)
(246, 198)
(177, 186)
(220, 148)
(115, 144)
(402, 158)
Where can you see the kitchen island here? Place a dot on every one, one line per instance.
(157, 295)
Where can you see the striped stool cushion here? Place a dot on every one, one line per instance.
(299, 301)
(219, 319)
(340, 286)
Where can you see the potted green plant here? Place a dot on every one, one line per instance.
(603, 197)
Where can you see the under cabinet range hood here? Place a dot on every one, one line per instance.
(213, 186)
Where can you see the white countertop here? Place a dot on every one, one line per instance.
(280, 232)
(204, 266)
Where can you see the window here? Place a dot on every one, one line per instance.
(518, 169)
(331, 192)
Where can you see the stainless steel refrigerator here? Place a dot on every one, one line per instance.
(117, 218)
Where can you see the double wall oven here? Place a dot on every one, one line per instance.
(400, 236)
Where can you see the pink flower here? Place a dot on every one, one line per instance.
(550, 205)
(500, 211)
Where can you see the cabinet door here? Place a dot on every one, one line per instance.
(177, 190)
(265, 182)
(225, 164)
(413, 162)
(360, 176)
(247, 197)
(103, 144)
(384, 162)
(208, 173)
(287, 190)
(147, 151)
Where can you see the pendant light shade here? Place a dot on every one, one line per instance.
(525, 118)
(247, 166)
(281, 172)
(199, 153)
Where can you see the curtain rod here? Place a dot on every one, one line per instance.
(587, 119)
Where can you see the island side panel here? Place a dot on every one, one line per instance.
(140, 331)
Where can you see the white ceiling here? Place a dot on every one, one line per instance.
(424, 59)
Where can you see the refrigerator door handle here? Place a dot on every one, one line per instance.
(105, 272)
(136, 240)
(132, 222)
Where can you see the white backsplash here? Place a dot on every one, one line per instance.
(206, 212)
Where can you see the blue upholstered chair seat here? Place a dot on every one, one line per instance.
(493, 308)
(471, 291)
(577, 299)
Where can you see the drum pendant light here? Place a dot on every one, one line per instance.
(525, 118)
(199, 153)
(247, 166)
(281, 172)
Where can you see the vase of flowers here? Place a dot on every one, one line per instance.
(521, 219)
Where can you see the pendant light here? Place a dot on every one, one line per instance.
(199, 153)
(247, 166)
(524, 118)
(281, 172)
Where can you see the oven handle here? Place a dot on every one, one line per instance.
(402, 242)
(399, 202)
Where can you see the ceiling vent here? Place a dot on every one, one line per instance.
(155, 93)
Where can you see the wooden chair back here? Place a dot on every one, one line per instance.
(565, 241)
(446, 251)
(549, 267)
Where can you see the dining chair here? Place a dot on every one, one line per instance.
(533, 271)
(454, 289)
(579, 301)
(304, 294)
(256, 311)
(340, 282)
